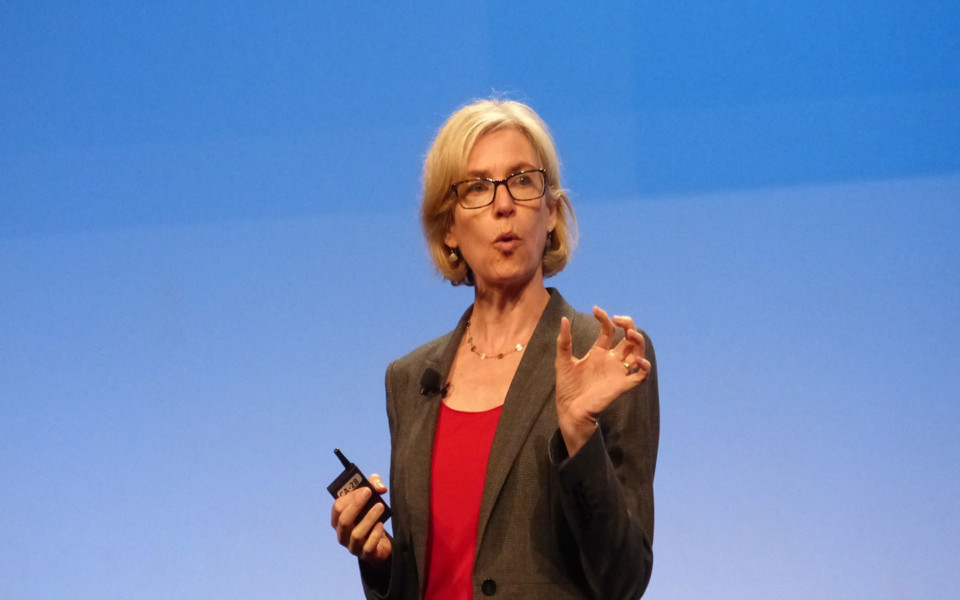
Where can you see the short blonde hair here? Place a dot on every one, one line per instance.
(446, 162)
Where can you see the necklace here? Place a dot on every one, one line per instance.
(484, 355)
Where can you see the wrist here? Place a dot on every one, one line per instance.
(576, 432)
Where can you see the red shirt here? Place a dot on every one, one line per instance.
(461, 448)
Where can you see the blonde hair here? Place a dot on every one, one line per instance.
(446, 162)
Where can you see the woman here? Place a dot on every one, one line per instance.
(524, 441)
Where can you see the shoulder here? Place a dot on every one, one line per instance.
(414, 362)
(427, 352)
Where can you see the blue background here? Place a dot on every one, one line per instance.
(209, 252)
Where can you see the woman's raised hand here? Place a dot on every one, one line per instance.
(367, 539)
(587, 386)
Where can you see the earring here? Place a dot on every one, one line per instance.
(453, 256)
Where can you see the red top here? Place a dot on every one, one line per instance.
(460, 451)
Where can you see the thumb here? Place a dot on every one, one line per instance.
(564, 341)
(377, 482)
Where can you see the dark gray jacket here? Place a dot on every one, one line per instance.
(551, 526)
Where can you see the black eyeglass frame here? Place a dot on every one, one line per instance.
(502, 182)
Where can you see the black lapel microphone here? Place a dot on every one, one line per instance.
(430, 383)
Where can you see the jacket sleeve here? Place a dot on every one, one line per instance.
(606, 491)
(386, 584)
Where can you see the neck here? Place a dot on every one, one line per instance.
(504, 317)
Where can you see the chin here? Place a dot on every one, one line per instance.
(508, 278)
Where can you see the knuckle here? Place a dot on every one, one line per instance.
(356, 538)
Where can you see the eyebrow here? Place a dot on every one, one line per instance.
(516, 168)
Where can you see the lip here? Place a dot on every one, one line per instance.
(506, 242)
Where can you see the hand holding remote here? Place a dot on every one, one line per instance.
(359, 512)
(366, 539)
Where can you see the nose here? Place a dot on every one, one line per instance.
(502, 200)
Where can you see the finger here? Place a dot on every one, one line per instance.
(384, 548)
(641, 371)
(624, 322)
(632, 342)
(564, 341)
(639, 344)
(377, 482)
(345, 511)
(607, 328)
(361, 530)
(339, 505)
(373, 540)
(644, 366)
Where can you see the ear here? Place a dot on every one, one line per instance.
(450, 240)
(552, 217)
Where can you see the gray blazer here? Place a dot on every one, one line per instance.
(551, 526)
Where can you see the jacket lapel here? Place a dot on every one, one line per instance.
(531, 388)
(420, 450)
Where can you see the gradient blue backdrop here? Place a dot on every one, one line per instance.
(209, 252)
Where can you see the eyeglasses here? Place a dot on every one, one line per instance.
(480, 192)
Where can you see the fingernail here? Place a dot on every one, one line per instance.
(366, 493)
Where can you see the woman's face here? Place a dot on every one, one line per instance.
(503, 242)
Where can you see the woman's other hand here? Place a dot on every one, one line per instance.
(587, 386)
(367, 539)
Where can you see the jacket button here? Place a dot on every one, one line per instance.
(488, 587)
